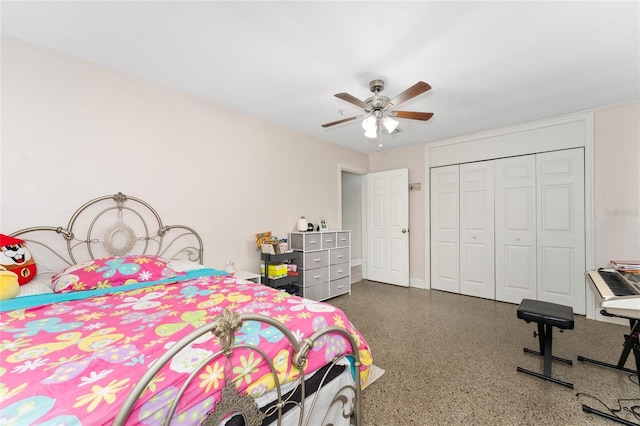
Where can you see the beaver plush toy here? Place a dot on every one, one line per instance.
(16, 257)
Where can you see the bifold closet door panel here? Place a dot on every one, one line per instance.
(445, 228)
(477, 277)
(515, 226)
(560, 228)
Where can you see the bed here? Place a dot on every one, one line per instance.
(124, 325)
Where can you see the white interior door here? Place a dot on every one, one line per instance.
(477, 277)
(388, 227)
(515, 210)
(560, 228)
(445, 227)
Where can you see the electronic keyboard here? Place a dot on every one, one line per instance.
(620, 295)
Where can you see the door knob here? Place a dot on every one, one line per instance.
(404, 231)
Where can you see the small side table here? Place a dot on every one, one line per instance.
(249, 276)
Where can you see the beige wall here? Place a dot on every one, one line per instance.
(617, 183)
(413, 159)
(72, 131)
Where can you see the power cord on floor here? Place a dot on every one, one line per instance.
(634, 410)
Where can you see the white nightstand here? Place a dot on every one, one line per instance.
(249, 276)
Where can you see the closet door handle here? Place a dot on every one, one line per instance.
(517, 238)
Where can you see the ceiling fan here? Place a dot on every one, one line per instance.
(379, 108)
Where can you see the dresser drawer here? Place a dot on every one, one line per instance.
(343, 239)
(313, 259)
(316, 292)
(305, 241)
(339, 271)
(313, 277)
(328, 240)
(338, 287)
(339, 255)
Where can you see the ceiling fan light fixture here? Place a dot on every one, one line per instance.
(371, 133)
(370, 123)
(390, 124)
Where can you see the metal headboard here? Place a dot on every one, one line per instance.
(111, 225)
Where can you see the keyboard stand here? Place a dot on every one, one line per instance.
(590, 410)
(631, 343)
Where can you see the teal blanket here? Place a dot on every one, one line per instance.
(48, 298)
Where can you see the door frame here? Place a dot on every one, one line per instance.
(342, 167)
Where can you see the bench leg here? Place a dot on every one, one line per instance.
(545, 336)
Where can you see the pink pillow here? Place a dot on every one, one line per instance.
(112, 272)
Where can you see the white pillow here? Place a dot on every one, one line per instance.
(38, 285)
(180, 265)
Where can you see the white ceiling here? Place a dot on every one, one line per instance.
(491, 64)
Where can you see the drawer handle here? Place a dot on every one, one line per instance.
(340, 271)
(340, 256)
(315, 277)
(341, 286)
(312, 242)
(317, 260)
(328, 241)
(343, 239)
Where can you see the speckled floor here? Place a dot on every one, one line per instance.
(452, 359)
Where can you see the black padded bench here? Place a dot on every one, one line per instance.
(547, 315)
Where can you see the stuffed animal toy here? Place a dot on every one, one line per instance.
(16, 257)
(9, 286)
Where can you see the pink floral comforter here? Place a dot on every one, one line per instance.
(74, 362)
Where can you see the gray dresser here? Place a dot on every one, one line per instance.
(324, 263)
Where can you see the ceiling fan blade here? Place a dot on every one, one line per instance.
(351, 99)
(413, 115)
(344, 120)
(413, 91)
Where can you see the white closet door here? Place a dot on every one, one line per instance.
(444, 229)
(515, 228)
(477, 276)
(560, 226)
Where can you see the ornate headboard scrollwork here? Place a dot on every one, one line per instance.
(112, 225)
(344, 399)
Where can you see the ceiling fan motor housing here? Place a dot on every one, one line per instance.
(377, 102)
(376, 86)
